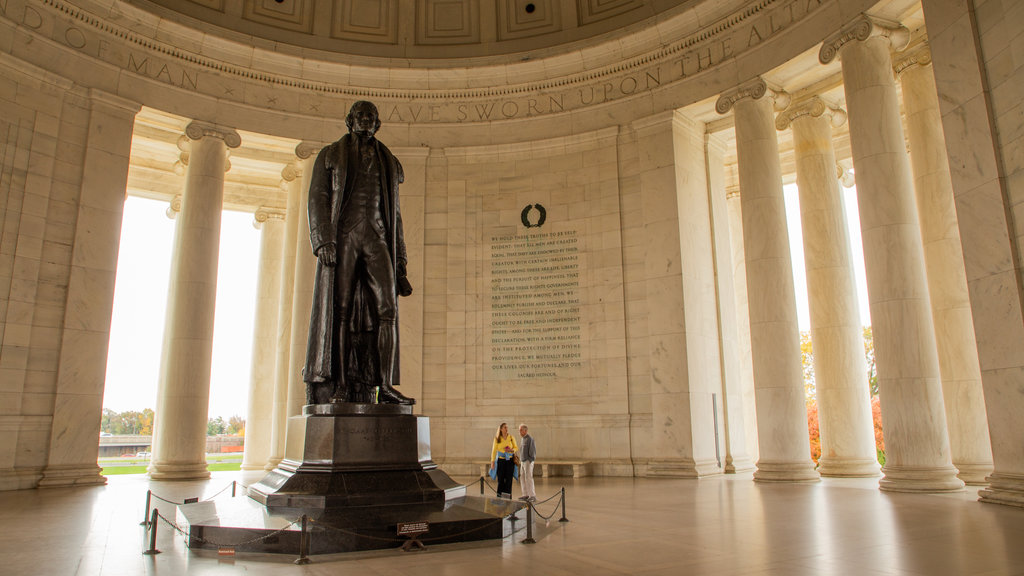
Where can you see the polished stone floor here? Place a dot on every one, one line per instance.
(723, 525)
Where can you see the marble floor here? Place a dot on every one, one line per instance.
(723, 525)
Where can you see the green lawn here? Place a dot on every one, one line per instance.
(216, 463)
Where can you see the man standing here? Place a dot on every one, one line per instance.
(528, 454)
(355, 228)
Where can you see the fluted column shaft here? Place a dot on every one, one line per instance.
(844, 402)
(259, 414)
(913, 416)
(732, 199)
(292, 180)
(736, 388)
(784, 449)
(947, 280)
(302, 301)
(184, 393)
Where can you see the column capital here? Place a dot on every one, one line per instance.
(862, 28)
(844, 176)
(197, 130)
(813, 106)
(754, 89)
(290, 172)
(265, 213)
(306, 149)
(921, 55)
(174, 207)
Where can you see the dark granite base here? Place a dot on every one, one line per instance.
(357, 471)
(247, 526)
(345, 455)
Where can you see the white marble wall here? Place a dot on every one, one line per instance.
(472, 195)
(65, 163)
(31, 313)
(682, 320)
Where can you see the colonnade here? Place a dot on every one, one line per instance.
(933, 409)
(930, 386)
(285, 269)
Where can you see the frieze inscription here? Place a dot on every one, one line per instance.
(112, 40)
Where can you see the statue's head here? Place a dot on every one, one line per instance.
(363, 119)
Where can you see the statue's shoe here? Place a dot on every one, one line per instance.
(389, 395)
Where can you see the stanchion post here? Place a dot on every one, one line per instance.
(481, 485)
(303, 544)
(234, 483)
(563, 518)
(152, 534)
(529, 524)
(145, 517)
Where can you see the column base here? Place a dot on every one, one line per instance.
(682, 468)
(1004, 489)
(786, 472)
(848, 467)
(247, 467)
(974, 474)
(919, 479)
(272, 463)
(20, 478)
(72, 475)
(739, 466)
(168, 471)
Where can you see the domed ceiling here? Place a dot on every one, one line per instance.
(421, 29)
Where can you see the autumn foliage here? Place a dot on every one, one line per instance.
(807, 357)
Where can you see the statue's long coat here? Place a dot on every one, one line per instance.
(327, 195)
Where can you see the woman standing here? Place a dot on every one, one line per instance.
(502, 466)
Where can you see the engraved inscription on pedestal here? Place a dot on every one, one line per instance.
(535, 305)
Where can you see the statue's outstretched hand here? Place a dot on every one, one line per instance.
(326, 254)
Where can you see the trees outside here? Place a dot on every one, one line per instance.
(215, 426)
(236, 426)
(141, 423)
(807, 360)
(128, 422)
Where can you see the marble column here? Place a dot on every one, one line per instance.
(302, 300)
(736, 389)
(82, 362)
(183, 398)
(291, 180)
(844, 400)
(739, 275)
(259, 414)
(944, 262)
(913, 416)
(784, 446)
(983, 142)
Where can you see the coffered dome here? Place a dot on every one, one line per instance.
(422, 29)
